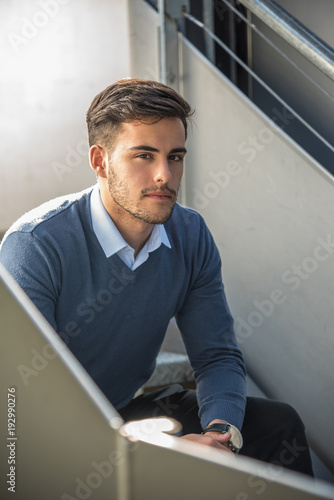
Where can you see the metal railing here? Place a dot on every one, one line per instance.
(264, 37)
(295, 33)
(292, 31)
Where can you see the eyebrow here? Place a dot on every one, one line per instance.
(143, 147)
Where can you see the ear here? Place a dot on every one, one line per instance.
(98, 158)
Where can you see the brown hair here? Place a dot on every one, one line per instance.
(132, 99)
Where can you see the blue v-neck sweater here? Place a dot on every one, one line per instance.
(114, 319)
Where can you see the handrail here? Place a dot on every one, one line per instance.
(278, 50)
(257, 78)
(295, 33)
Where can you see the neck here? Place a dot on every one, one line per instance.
(134, 231)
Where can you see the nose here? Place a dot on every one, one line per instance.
(162, 173)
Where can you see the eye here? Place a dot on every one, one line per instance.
(145, 156)
(176, 158)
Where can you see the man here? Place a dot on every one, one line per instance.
(109, 267)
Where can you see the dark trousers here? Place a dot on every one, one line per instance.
(272, 431)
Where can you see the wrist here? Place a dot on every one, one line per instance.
(235, 442)
(217, 421)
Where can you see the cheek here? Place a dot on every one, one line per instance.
(139, 178)
(178, 175)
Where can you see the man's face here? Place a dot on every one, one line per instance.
(145, 167)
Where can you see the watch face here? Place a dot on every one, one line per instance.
(236, 437)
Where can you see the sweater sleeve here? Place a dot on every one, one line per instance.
(207, 329)
(32, 266)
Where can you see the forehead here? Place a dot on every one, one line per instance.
(166, 131)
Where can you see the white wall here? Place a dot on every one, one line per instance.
(55, 56)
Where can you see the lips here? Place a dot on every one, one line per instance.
(159, 195)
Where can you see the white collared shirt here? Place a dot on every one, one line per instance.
(113, 242)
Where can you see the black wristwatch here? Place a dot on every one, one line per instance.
(235, 443)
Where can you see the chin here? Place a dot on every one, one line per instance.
(151, 218)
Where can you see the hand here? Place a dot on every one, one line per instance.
(213, 439)
(219, 436)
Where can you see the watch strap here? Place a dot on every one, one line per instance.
(217, 427)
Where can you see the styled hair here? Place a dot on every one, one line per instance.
(132, 99)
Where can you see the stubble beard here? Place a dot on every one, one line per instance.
(120, 194)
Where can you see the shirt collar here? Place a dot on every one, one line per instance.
(108, 235)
